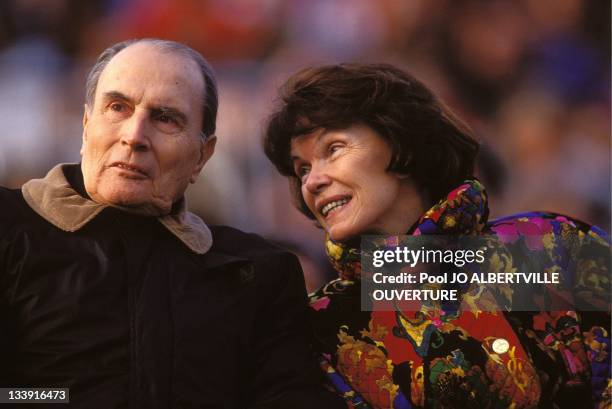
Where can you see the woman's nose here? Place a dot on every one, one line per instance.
(134, 133)
(317, 180)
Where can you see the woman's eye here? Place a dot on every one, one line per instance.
(303, 171)
(334, 147)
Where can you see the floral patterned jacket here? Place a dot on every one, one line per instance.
(550, 358)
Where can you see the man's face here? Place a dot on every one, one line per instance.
(141, 139)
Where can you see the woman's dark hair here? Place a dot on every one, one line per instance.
(428, 142)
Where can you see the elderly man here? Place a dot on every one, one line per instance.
(110, 287)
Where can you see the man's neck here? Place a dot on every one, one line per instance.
(74, 176)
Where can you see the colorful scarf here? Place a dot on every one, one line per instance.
(464, 211)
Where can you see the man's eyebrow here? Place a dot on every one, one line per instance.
(173, 112)
(165, 110)
(116, 95)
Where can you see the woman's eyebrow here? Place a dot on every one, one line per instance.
(319, 138)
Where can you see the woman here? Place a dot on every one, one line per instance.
(369, 150)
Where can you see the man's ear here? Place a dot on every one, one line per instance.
(85, 120)
(207, 148)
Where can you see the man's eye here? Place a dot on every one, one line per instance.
(167, 123)
(166, 119)
(116, 111)
(117, 107)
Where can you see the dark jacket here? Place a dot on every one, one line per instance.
(123, 313)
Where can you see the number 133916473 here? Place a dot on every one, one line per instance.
(32, 395)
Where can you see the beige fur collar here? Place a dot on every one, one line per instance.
(56, 201)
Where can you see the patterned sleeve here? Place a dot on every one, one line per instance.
(593, 287)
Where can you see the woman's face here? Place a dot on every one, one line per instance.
(346, 186)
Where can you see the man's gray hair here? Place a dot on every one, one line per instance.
(210, 102)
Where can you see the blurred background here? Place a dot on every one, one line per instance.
(532, 77)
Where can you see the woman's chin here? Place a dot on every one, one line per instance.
(340, 235)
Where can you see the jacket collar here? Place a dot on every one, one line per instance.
(57, 201)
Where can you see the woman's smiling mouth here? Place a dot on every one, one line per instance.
(333, 206)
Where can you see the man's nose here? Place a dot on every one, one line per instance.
(317, 180)
(135, 132)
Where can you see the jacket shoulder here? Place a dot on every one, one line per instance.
(276, 269)
(229, 240)
(12, 206)
(10, 196)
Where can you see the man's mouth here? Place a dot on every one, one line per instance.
(130, 168)
(334, 206)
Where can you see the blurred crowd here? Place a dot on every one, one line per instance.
(531, 77)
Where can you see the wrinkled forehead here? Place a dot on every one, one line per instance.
(146, 70)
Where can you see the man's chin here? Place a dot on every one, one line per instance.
(133, 201)
(122, 197)
(144, 208)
